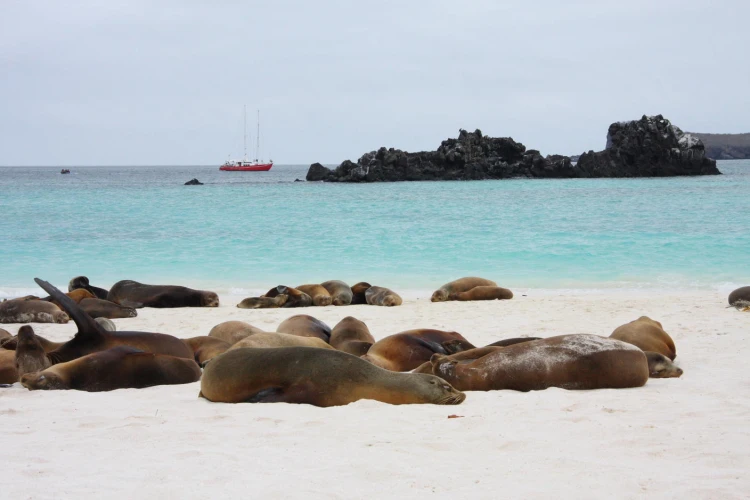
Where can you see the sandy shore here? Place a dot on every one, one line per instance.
(682, 438)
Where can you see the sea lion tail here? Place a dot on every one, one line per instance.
(85, 323)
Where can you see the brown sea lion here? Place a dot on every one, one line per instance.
(659, 366)
(130, 293)
(340, 292)
(648, 335)
(120, 367)
(206, 348)
(516, 340)
(295, 298)
(304, 325)
(740, 298)
(30, 355)
(233, 331)
(318, 377)
(76, 295)
(31, 311)
(83, 282)
(8, 372)
(318, 293)
(407, 350)
(381, 296)
(358, 292)
(352, 335)
(4, 334)
(267, 340)
(47, 345)
(263, 302)
(460, 285)
(100, 308)
(566, 361)
(482, 293)
(462, 357)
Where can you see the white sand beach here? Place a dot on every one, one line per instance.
(673, 438)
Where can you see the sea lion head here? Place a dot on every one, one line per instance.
(210, 299)
(439, 296)
(324, 301)
(659, 366)
(60, 317)
(79, 282)
(42, 381)
(30, 356)
(390, 301)
(438, 391)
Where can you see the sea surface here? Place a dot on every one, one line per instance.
(243, 232)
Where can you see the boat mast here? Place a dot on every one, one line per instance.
(244, 134)
(257, 139)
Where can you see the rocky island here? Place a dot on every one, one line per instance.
(649, 147)
(725, 146)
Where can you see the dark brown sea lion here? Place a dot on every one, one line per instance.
(318, 377)
(352, 335)
(566, 361)
(740, 298)
(659, 366)
(340, 292)
(263, 302)
(83, 282)
(100, 308)
(516, 340)
(31, 311)
(358, 292)
(482, 293)
(295, 298)
(130, 293)
(407, 350)
(233, 331)
(30, 355)
(460, 285)
(381, 296)
(647, 334)
(304, 325)
(206, 348)
(318, 293)
(120, 367)
(267, 340)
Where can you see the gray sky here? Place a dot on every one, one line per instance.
(144, 82)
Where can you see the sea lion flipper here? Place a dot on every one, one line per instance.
(432, 346)
(85, 323)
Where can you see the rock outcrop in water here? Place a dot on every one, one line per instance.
(649, 147)
(193, 182)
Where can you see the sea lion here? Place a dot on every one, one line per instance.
(407, 350)
(107, 324)
(352, 335)
(647, 334)
(233, 331)
(130, 293)
(263, 302)
(77, 295)
(516, 340)
(462, 357)
(121, 367)
(659, 366)
(358, 292)
(100, 308)
(482, 293)
(381, 296)
(4, 334)
(83, 282)
(318, 377)
(295, 298)
(304, 325)
(206, 348)
(47, 345)
(31, 311)
(318, 293)
(740, 298)
(567, 361)
(460, 285)
(30, 355)
(8, 372)
(267, 340)
(340, 292)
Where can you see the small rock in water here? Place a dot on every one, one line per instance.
(193, 182)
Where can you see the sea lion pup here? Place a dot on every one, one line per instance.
(381, 296)
(107, 324)
(740, 298)
(91, 337)
(567, 361)
(482, 293)
(206, 348)
(30, 355)
(516, 340)
(31, 311)
(77, 295)
(267, 340)
(352, 335)
(83, 282)
(304, 325)
(460, 285)
(130, 293)
(263, 302)
(318, 293)
(100, 308)
(233, 331)
(121, 367)
(341, 293)
(318, 377)
(407, 350)
(358, 292)
(462, 357)
(659, 366)
(648, 335)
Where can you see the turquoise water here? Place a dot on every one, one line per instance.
(250, 231)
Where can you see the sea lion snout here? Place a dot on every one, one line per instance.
(439, 296)
(60, 317)
(212, 300)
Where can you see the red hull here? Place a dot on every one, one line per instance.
(263, 167)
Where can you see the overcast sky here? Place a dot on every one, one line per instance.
(146, 82)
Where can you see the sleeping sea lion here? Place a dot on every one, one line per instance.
(381, 296)
(407, 350)
(462, 357)
(76, 295)
(206, 348)
(460, 285)
(8, 372)
(22, 310)
(482, 293)
(267, 340)
(352, 335)
(358, 292)
(130, 293)
(659, 366)
(318, 293)
(121, 367)
(647, 334)
(233, 331)
(4, 334)
(318, 377)
(740, 298)
(340, 292)
(263, 302)
(100, 308)
(304, 325)
(83, 282)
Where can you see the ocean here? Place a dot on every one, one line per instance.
(245, 232)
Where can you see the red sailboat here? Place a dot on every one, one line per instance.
(245, 165)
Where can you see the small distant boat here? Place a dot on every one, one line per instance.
(245, 165)
(65, 171)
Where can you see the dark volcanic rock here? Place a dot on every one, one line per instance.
(193, 182)
(648, 147)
